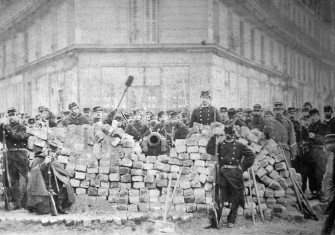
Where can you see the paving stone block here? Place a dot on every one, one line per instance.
(194, 156)
(148, 166)
(279, 208)
(138, 185)
(187, 163)
(126, 178)
(175, 161)
(151, 159)
(280, 166)
(189, 199)
(274, 174)
(80, 167)
(80, 175)
(184, 156)
(279, 158)
(137, 178)
(149, 179)
(124, 170)
(126, 162)
(279, 193)
(202, 178)
(180, 145)
(137, 172)
(138, 165)
(104, 169)
(103, 191)
(261, 172)
(173, 153)
(269, 169)
(266, 180)
(81, 191)
(92, 191)
(163, 158)
(269, 192)
(114, 169)
(285, 173)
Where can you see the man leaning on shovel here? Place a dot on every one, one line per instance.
(231, 167)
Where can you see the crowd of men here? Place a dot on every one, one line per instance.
(300, 135)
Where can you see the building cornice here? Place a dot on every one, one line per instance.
(75, 51)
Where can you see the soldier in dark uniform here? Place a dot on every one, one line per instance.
(241, 117)
(162, 127)
(224, 115)
(31, 122)
(231, 166)
(75, 118)
(231, 117)
(178, 128)
(257, 121)
(317, 132)
(97, 115)
(329, 119)
(281, 130)
(306, 162)
(206, 113)
(87, 113)
(291, 114)
(137, 129)
(248, 118)
(17, 157)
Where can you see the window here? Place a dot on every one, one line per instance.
(134, 31)
(242, 38)
(262, 50)
(151, 21)
(252, 42)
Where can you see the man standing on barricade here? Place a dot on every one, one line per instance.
(281, 130)
(205, 114)
(329, 119)
(231, 167)
(291, 114)
(75, 118)
(16, 136)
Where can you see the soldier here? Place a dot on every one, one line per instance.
(75, 118)
(137, 129)
(231, 117)
(241, 117)
(162, 127)
(205, 114)
(231, 166)
(16, 136)
(178, 128)
(248, 118)
(329, 185)
(257, 121)
(304, 112)
(97, 115)
(38, 195)
(87, 113)
(224, 115)
(281, 130)
(268, 116)
(329, 119)
(31, 122)
(306, 162)
(317, 132)
(48, 118)
(291, 114)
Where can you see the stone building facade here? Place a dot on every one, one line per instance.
(53, 52)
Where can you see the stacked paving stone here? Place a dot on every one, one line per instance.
(107, 163)
(273, 180)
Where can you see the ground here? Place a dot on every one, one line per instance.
(86, 220)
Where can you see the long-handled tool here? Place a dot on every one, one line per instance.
(252, 203)
(5, 174)
(164, 226)
(257, 195)
(128, 83)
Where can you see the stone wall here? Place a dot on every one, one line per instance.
(101, 164)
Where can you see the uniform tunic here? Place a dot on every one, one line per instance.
(282, 132)
(205, 115)
(137, 129)
(80, 119)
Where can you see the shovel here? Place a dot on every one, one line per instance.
(163, 226)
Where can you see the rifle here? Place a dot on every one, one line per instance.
(215, 206)
(5, 174)
(53, 209)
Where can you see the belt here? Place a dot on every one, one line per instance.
(229, 166)
(16, 149)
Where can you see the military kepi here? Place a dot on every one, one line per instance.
(11, 111)
(257, 107)
(97, 108)
(291, 110)
(205, 94)
(223, 110)
(73, 104)
(279, 104)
